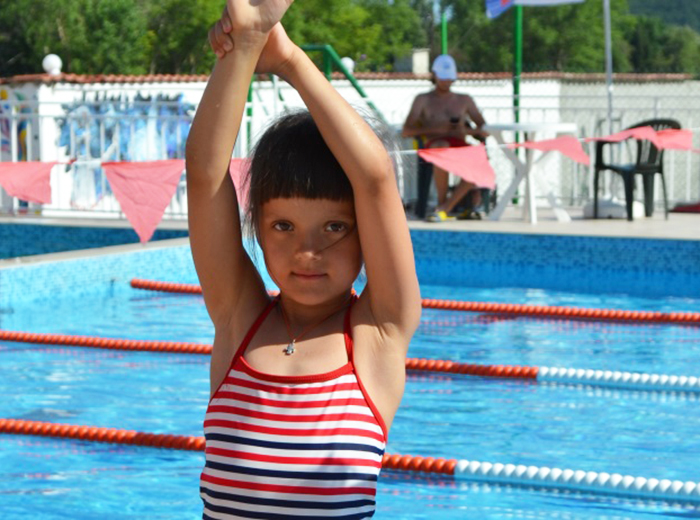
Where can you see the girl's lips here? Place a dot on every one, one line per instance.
(309, 276)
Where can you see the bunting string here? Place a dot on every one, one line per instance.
(144, 189)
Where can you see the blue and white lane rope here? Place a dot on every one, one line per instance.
(580, 481)
(617, 379)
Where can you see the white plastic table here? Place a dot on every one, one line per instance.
(524, 170)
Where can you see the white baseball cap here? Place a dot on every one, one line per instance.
(445, 68)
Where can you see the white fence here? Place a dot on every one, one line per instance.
(91, 132)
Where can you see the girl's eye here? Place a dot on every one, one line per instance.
(282, 226)
(336, 227)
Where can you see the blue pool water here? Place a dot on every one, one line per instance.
(639, 433)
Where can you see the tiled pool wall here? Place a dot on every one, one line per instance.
(640, 267)
(38, 239)
(637, 266)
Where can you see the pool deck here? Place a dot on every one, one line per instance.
(679, 226)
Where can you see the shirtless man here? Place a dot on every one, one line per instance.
(442, 119)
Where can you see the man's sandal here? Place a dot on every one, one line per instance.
(469, 214)
(438, 216)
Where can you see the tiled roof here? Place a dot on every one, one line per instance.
(473, 76)
(48, 79)
(490, 76)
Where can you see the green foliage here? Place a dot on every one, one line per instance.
(676, 12)
(657, 47)
(399, 32)
(565, 37)
(344, 24)
(371, 32)
(90, 36)
(170, 36)
(177, 35)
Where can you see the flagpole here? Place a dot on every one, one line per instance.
(518, 60)
(608, 62)
(443, 27)
(517, 71)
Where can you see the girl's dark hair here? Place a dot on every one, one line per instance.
(291, 160)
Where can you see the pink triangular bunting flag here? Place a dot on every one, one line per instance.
(644, 133)
(30, 181)
(674, 139)
(237, 169)
(468, 162)
(144, 190)
(566, 144)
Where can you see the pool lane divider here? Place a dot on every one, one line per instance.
(469, 470)
(576, 376)
(539, 311)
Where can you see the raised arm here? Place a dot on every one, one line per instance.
(226, 273)
(394, 296)
(412, 127)
(476, 117)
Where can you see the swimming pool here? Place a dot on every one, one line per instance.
(652, 434)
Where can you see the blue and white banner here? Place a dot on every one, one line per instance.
(495, 8)
(546, 2)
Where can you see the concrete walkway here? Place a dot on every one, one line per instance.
(679, 226)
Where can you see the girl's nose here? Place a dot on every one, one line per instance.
(309, 245)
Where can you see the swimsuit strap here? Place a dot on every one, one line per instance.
(347, 331)
(254, 328)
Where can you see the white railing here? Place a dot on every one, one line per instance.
(91, 133)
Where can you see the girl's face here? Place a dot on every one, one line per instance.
(311, 247)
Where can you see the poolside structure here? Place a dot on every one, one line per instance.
(87, 120)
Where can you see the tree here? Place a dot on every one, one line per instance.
(344, 24)
(90, 36)
(566, 37)
(677, 12)
(400, 30)
(170, 36)
(371, 32)
(657, 47)
(426, 14)
(177, 35)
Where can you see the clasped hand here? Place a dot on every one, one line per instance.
(246, 20)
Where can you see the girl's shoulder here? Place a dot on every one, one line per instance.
(378, 335)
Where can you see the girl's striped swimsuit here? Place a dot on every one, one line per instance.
(280, 447)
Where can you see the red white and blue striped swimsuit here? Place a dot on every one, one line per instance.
(288, 447)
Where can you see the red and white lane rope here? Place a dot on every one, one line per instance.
(486, 472)
(604, 378)
(540, 311)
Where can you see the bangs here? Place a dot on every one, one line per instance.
(291, 160)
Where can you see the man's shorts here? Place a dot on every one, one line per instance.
(453, 142)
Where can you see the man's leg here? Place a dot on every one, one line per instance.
(440, 176)
(462, 189)
(441, 184)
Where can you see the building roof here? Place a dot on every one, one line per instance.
(48, 79)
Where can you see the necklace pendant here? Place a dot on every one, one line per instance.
(290, 349)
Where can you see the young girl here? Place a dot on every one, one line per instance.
(304, 386)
